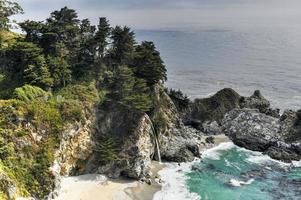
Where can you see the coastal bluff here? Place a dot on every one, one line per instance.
(116, 141)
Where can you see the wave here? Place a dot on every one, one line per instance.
(215, 152)
(237, 183)
(174, 183)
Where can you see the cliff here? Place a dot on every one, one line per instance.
(76, 133)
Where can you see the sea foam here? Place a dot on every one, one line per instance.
(174, 183)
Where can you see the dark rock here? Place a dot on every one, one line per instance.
(291, 125)
(283, 154)
(257, 101)
(257, 131)
(207, 114)
(213, 108)
(210, 140)
(251, 129)
(181, 155)
(211, 128)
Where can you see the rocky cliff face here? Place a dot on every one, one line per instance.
(117, 141)
(207, 114)
(257, 131)
(177, 142)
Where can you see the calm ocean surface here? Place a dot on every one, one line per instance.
(205, 60)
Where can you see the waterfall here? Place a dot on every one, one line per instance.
(157, 143)
(158, 149)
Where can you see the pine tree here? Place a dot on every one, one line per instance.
(122, 48)
(65, 24)
(26, 64)
(82, 59)
(33, 30)
(101, 37)
(60, 71)
(130, 92)
(148, 64)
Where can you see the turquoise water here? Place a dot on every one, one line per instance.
(261, 178)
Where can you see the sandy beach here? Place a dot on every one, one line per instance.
(99, 187)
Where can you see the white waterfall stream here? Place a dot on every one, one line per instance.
(157, 143)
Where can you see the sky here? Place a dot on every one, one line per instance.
(172, 14)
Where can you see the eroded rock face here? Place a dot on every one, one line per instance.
(178, 143)
(252, 129)
(257, 101)
(212, 108)
(76, 146)
(132, 144)
(138, 150)
(207, 114)
(291, 125)
(257, 131)
(183, 146)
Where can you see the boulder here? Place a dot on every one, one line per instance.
(257, 101)
(182, 146)
(291, 125)
(207, 114)
(212, 108)
(256, 131)
(251, 129)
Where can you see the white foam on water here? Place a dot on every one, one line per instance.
(261, 159)
(174, 183)
(237, 183)
(215, 152)
(174, 177)
(296, 163)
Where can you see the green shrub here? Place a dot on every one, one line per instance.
(108, 150)
(46, 115)
(81, 92)
(71, 110)
(29, 93)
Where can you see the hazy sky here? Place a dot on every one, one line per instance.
(165, 14)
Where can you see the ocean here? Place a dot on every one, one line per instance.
(228, 172)
(202, 61)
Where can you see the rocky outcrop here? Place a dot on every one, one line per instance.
(178, 143)
(207, 114)
(211, 109)
(123, 143)
(257, 101)
(182, 146)
(75, 147)
(257, 131)
(252, 129)
(291, 125)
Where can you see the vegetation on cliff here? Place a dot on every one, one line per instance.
(50, 76)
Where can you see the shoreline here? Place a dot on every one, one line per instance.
(99, 187)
